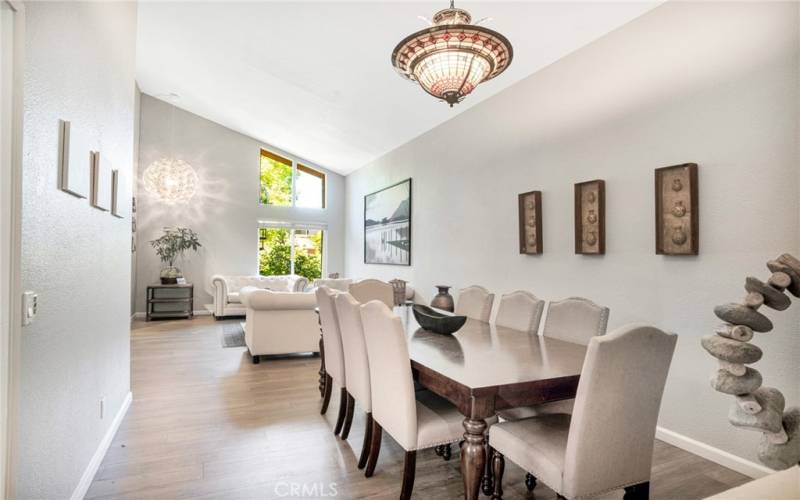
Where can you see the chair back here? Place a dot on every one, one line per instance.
(331, 335)
(520, 310)
(613, 425)
(475, 302)
(394, 406)
(365, 290)
(575, 320)
(356, 364)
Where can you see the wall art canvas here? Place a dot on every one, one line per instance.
(677, 214)
(101, 182)
(530, 223)
(590, 217)
(387, 225)
(75, 160)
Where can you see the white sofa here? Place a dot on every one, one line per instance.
(279, 322)
(225, 290)
(343, 285)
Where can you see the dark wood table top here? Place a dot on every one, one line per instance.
(483, 355)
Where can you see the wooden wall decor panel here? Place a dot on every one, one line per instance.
(590, 217)
(677, 210)
(530, 223)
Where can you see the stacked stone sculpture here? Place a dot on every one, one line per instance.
(757, 407)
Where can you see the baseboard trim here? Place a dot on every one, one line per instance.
(100, 453)
(729, 460)
(141, 315)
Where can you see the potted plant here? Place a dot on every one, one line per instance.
(170, 247)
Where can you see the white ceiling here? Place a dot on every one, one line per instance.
(314, 78)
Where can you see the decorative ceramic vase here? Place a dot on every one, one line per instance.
(591, 237)
(677, 185)
(399, 289)
(170, 275)
(592, 217)
(443, 300)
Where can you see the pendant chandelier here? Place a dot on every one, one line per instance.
(451, 57)
(172, 180)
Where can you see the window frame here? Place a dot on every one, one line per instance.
(316, 173)
(296, 167)
(292, 227)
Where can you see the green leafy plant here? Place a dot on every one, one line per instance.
(174, 243)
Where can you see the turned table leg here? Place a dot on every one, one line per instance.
(322, 373)
(473, 456)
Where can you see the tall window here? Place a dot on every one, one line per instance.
(310, 187)
(290, 250)
(285, 183)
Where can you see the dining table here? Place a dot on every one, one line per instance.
(483, 368)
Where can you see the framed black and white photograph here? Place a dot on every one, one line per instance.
(387, 225)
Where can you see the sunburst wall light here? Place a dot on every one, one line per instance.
(171, 179)
(452, 57)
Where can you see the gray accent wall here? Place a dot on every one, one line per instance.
(225, 212)
(710, 83)
(79, 65)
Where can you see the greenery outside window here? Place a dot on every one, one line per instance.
(286, 183)
(276, 180)
(290, 250)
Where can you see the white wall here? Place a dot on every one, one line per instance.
(80, 63)
(225, 212)
(711, 83)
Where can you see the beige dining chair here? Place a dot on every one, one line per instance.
(370, 289)
(607, 443)
(334, 355)
(356, 365)
(520, 310)
(574, 320)
(475, 302)
(415, 421)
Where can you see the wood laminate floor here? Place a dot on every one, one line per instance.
(206, 423)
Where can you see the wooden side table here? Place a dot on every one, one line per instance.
(170, 301)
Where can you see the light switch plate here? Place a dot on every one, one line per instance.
(30, 306)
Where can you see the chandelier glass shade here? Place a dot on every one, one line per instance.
(452, 57)
(174, 181)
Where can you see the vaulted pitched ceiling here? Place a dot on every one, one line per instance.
(314, 78)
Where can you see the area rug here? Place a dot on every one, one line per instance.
(233, 334)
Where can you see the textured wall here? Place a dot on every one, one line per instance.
(225, 212)
(711, 83)
(80, 63)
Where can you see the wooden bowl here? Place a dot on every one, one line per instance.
(437, 322)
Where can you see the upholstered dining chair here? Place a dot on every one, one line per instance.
(607, 443)
(475, 302)
(415, 421)
(334, 354)
(356, 366)
(520, 310)
(370, 289)
(575, 320)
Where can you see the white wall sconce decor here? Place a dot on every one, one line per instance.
(75, 160)
(173, 181)
(101, 182)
